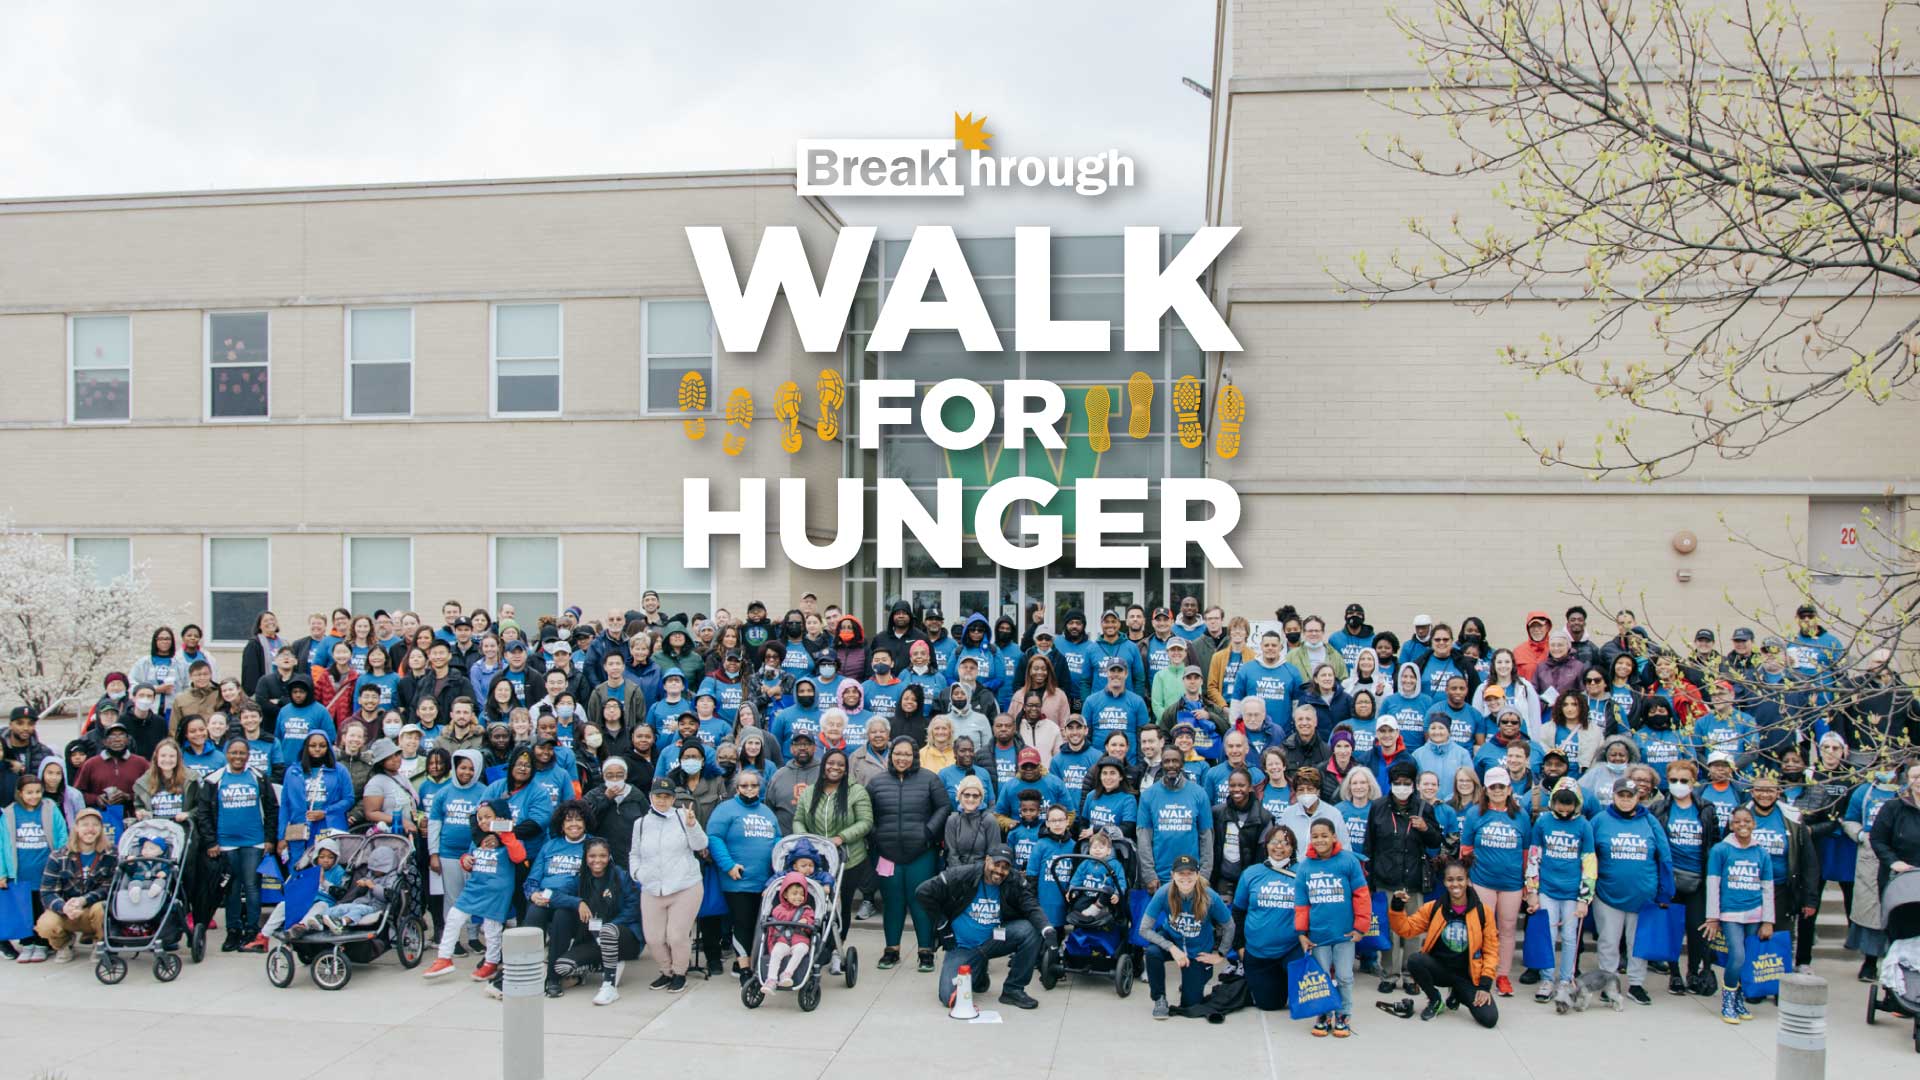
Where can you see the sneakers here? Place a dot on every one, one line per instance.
(1869, 970)
(1434, 1008)
(554, 989)
(63, 956)
(677, 985)
(1543, 991)
(1638, 995)
(1341, 1027)
(714, 970)
(889, 959)
(608, 994)
(485, 971)
(230, 944)
(1676, 985)
(439, 967)
(1529, 977)
(925, 963)
(259, 944)
(32, 954)
(660, 981)
(1503, 986)
(866, 910)
(1386, 986)
(1160, 1010)
(459, 949)
(1019, 999)
(1322, 1027)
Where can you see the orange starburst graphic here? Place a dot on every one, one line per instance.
(973, 134)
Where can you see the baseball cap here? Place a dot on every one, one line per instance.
(1745, 633)
(1027, 756)
(1499, 775)
(1162, 613)
(663, 786)
(932, 614)
(1387, 723)
(1112, 613)
(1356, 609)
(1044, 630)
(1805, 610)
(1000, 853)
(516, 645)
(1703, 634)
(1773, 643)
(20, 712)
(1177, 642)
(463, 621)
(1076, 720)
(1115, 664)
(673, 673)
(1719, 757)
(1423, 620)
(1191, 670)
(1185, 862)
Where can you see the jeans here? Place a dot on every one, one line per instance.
(1566, 935)
(1267, 979)
(1193, 978)
(1737, 935)
(1022, 943)
(1610, 924)
(897, 899)
(1337, 960)
(1433, 976)
(243, 890)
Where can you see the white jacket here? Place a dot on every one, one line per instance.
(662, 859)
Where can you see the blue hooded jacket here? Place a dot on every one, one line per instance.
(743, 834)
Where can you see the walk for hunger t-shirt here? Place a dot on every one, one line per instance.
(1176, 818)
(239, 822)
(1563, 846)
(1499, 863)
(974, 927)
(1267, 896)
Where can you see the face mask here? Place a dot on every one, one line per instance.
(691, 765)
(615, 787)
(805, 701)
(1680, 788)
(1354, 622)
(564, 712)
(920, 669)
(1402, 791)
(883, 669)
(1564, 813)
(1309, 799)
(143, 703)
(827, 671)
(1794, 775)
(1659, 721)
(117, 694)
(390, 730)
(1293, 637)
(1883, 778)
(592, 738)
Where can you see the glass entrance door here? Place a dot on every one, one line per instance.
(1091, 596)
(956, 598)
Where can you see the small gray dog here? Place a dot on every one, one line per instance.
(1601, 985)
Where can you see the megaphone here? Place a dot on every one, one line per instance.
(963, 995)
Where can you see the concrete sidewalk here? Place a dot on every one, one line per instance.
(60, 1021)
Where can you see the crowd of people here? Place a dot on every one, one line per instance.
(1393, 807)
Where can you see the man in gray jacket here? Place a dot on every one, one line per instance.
(791, 781)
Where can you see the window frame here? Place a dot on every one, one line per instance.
(647, 539)
(207, 365)
(647, 357)
(559, 568)
(346, 571)
(207, 587)
(413, 360)
(73, 370)
(72, 540)
(559, 361)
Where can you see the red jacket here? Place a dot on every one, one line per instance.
(1528, 654)
(102, 771)
(338, 697)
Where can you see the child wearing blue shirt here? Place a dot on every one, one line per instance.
(488, 895)
(1333, 910)
(1739, 905)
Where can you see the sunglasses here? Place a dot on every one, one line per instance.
(1595, 679)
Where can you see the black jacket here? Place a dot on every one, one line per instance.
(206, 814)
(909, 813)
(613, 821)
(1253, 822)
(1709, 823)
(1062, 677)
(254, 664)
(457, 686)
(896, 643)
(1398, 855)
(1896, 836)
(947, 894)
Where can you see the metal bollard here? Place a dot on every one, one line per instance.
(523, 985)
(1801, 1053)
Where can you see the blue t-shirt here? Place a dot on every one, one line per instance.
(1498, 842)
(1114, 808)
(1191, 932)
(974, 927)
(1177, 818)
(1326, 890)
(1071, 765)
(559, 864)
(1274, 685)
(1267, 896)
(1217, 777)
(387, 683)
(1684, 837)
(1563, 847)
(1107, 713)
(1743, 872)
(239, 823)
(453, 809)
(1770, 833)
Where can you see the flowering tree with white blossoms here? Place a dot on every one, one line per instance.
(60, 630)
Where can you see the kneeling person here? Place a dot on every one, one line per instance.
(991, 910)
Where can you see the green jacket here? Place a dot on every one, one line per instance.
(688, 663)
(1297, 656)
(823, 819)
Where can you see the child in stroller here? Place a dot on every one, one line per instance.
(149, 876)
(345, 901)
(789, 933)
(1098, 886)
(806, 862)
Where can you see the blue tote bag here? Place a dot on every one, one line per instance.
(1768, 962)
(1660, 932)
(1309, 992)
(1537, 950)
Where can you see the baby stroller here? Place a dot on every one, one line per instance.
(145, 912)
(825, 899)
(1899, 990)
(1098, 938)
(399, 926)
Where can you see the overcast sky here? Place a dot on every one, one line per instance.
(100, 98)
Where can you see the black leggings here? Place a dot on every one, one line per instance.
(1432, 975)
(744, 909)
(1267, 979)
(1699, 952)
(853, 879)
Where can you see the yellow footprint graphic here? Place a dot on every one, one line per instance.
(1187, 394)
(833, 393)
(786, 409)
(1099, 404)
(739, 415)
(1232, 412)
(693, 398)
(1140, 401)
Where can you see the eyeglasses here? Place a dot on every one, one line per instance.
(1595, 679)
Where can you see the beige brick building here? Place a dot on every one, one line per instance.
(1375, 430)
(454, 402)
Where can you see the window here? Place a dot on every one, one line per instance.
(380, 362)
(679, 339)
(379, 574)
(680, 589)
(112, 556)
(526, 574)
(526, 359)
(237, 365)
(100, 352)
(237, 573)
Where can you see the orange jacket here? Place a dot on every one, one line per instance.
(1528, 654)
(1483, 939)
